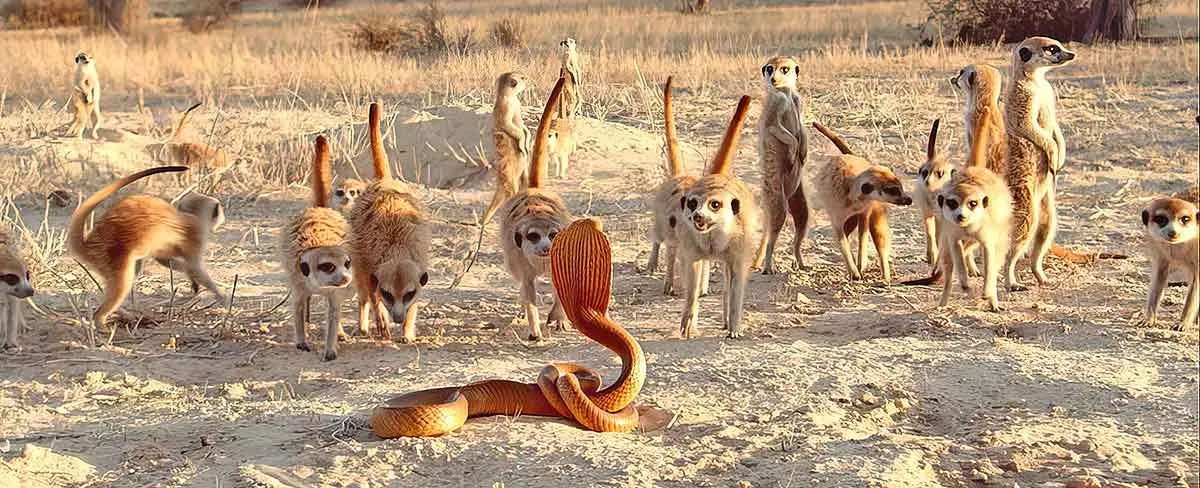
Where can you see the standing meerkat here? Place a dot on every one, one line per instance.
(347, 192)
(312, 249)
(389, 246)
(1036, 152)
(782, 151)
(14, 287)
(85, 96)
(134, 228)
(512, 141)
(720, 221)
(529, 221)
(976, 208)
(561, 143)
(933, 175)
(854, 192)
(1172, 241)
(982, 84)
(568, 106)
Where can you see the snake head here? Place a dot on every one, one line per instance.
(581, 268)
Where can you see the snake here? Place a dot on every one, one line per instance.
(581, 271)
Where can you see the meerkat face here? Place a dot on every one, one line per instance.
(399, 282)
(1170, 219)
(534, 237)
(511, 83)
(934, 174)
(781, 72)
(1042, 53)
(204, 207)
(347, 192)
(965, 79)
(83, 59)
(567, 44)
(325, 267)
(964, 206)
(881, 185)
(706, 210)
(14, 281)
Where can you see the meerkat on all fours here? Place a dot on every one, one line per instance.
(529, 221)
(720, 220)
(782, 151)
(982, 85)
(389, 247)
(208, 211)
(1173, 241)
(854, 193)
(346, 193)
(14, 287)
(1036, 152)
(511, 139)
(312, 249)
(85, 97)
(134, 228)
(976, 208)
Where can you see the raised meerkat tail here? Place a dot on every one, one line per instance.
(674, 159)
(931, 148)
(320, 173)
(837, 141)
(183, 119)
(723, 162)
(978, 156)
(75, 230)
(537, 159)
(383, 170)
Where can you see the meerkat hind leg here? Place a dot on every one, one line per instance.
(96, 119)
(12, 324)
(652, 263)
(669, 273)
(300, 320)
(798, 207)
(1044, 236)
(882, 240)
(1191, 307)
(116, 289)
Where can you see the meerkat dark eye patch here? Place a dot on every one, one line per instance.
(304, 269)
(972, 204)
(951, 204)
(1145, 217)
(1185, 220)
(387, 297)
(517, 238)
(340, 193)
(682, 203)
(424, 278)
(671, 221)
(941, 201)
(1161, 220)
(767, 70)
(971, 79)
(784, 70)
(892, 191)
(347, 265)
(216, 212)
(715, 204)
(924, 174)
(408, 297)
(533, 237)
(553, 235)
(867, 188)
(10, 279)
(692, 204)
(735, 205)
(326, 267)
(1026, 54)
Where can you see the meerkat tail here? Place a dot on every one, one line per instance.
(75, 230)
(537, 159)
(931, 148)
(674, 158)
(933, 279)
(183, 119)
(723, 161)
(978, 157)
(833, 137)
(320, 173)
(383, 170)
(1082, 258)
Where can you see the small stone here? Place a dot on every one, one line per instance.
(235, 391)
(744, 484)
(977, 475)
(1085, 446)
(1082, 482)
(868, 398)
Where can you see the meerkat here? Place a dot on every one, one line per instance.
(85, 97)
(389, 246)
(529, 221)
(933, 175)
(561, 142)
(665, 203)
(1035, 154)
(1173, 241)
(982, 84)
(14, 286)
(854, 191)
(208, 211)
(782, 151)
(570, 71)
(346, 193)
(512, 141)
(134, 228)
(312, 248)
(976, 208)
(195, 154)
(720, 220)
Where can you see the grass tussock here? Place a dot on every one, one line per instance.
(207, 15)
(40, 14)
(510, 33)
(426, 33)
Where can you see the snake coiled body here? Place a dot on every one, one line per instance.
(581, 268)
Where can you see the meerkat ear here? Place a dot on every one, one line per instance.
(941, 201)
(971, 79)
(424, 278)
(1145, 217)
(735, 205)
(304, 269)
(867, 188)
(517, 238)
(1025, 54)
(682, 203)
(985, 201)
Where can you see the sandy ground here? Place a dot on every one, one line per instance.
(835, 384)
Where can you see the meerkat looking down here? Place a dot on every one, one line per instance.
(854, 192)
(982, 84)
(782, 151)
(347, 193)
(208, 211)
(134, 228)
(389, 245)
(530, 220)
(312, 249)
(85, 96)
(512, 141)
(720, 220)
(1173, 241)
(976, 207)
(14, 286)
(1036, 152)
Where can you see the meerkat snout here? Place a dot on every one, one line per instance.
(17, 285)
(402, 292)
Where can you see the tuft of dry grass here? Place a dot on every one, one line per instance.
(510, 33)
(207, 15)
(40, 14)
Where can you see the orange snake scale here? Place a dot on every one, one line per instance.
(581, 268)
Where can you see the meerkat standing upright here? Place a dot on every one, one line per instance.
(1173, 240)
(511, 139)
(1036, 152)
(529, 221)
(14, 286)
(389, 245)
(720, 221)
(134, 228)
(982, 84)
(782, 150)
(667, 212)
(570, 71)
(312, 249)
(85, 97)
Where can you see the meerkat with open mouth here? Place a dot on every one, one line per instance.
(1173, 241)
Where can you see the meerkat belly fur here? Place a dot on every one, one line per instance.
(1172, 241)
(15, 286)
(854, 192)
(530, 220)
(312, 250)
(389, 247)
(511, 140)
(782, 149)
(720, 222)
(85, 97)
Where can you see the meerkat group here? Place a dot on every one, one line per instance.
(372, 238)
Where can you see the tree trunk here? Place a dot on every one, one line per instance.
(1112, 20)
